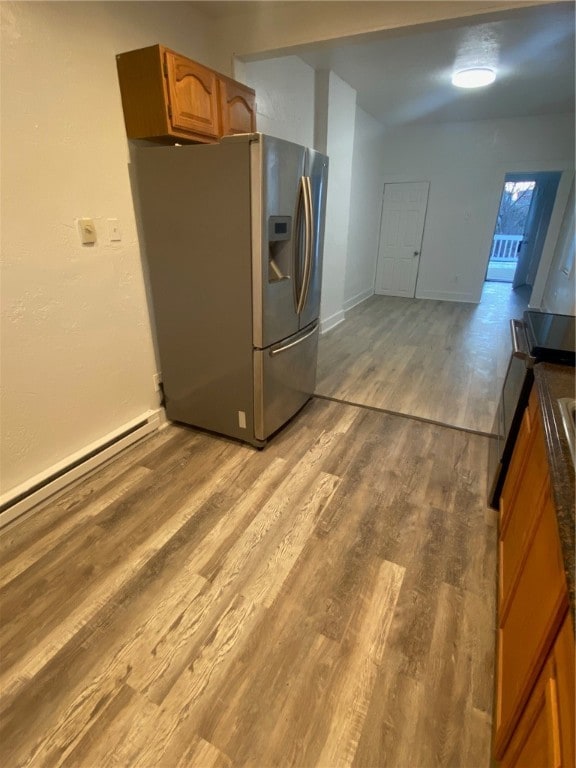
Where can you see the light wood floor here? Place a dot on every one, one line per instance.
(328, 601)
(437, 360)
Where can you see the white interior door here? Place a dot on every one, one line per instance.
(401, 230)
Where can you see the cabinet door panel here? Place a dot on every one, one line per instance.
(564, 662)
(193, 96)
(537, 604)
(237, 107)
(525, 506)
(544, 736)
(536, 739)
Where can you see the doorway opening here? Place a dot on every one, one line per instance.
(509, 231)
(521, 227)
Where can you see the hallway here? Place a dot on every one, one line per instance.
(435, 360)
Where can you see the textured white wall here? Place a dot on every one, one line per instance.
(559, 294)
(465, 164)
(295, 103)
(365, 210)
(269, 26)
(284, 97)
(340, 124)
(77, 353)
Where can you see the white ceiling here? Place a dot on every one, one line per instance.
(404, 77)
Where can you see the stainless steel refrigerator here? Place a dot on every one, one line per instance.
(233, 237)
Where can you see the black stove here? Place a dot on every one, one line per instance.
(540, 337)
(550, 337)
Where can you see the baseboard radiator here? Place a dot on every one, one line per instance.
(40, 487)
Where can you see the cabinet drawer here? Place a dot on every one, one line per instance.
(537, 602)
(523, 442)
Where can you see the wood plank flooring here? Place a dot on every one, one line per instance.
(437, 360)
(328, 601)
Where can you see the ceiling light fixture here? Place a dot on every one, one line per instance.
(474, 77)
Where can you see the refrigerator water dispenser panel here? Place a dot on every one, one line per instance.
(279, 248)
(279, 228)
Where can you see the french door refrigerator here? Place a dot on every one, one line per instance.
(233, 236)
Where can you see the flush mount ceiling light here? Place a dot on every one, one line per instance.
(474, 77)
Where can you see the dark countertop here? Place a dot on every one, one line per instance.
(553, 382)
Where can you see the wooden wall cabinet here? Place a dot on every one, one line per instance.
(535, 674)
(192, 97)
(237, 107)
(168, 97)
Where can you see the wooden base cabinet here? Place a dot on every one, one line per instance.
(544, 736)
(535, 674)
(168, 97)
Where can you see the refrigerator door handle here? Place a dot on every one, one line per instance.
(297, 271)
(309, 243)
(517, 330)
(307, 195)
(277, 350)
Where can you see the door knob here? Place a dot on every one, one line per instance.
(416, 253)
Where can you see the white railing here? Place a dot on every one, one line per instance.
(505, 247)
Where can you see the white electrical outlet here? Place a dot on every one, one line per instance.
(157, 381)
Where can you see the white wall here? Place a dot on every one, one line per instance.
(340, 113)
(284, 97)
(365, 210)
(559, 294)
(266, 26)
(465, 164)
(77, 353)
(319, 110)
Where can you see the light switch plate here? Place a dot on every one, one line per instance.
(87, 230)
(114, 231)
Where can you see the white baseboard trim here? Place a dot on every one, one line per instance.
(468, 298)
(23, 497)
(332, 321)
(358, 299)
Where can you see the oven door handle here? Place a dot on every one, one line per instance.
(516, 327)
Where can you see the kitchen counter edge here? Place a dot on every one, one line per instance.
(554, 382)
